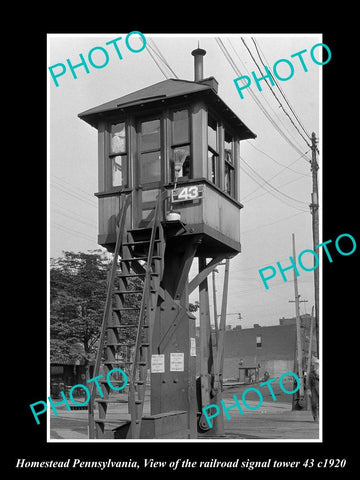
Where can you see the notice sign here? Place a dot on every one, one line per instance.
(176, 362)
(192, 347)
(158, 363)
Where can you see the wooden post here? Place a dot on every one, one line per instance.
(309, 358)
(205, 338)
(298, 327)
(315, 226)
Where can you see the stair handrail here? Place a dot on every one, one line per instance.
(135, 428)
(108, 304)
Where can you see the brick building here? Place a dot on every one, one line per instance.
(250, 352)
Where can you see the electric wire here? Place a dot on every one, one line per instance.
(274, 194)
(264, 98)
(256, 99)
(72, 231)
(149, 50)
(273, 93)
(72, 194)
(158, 53)
(279, 163)
(265, 193)
(278, 173)
(257, 47)
(270, 185)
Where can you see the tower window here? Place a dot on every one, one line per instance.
(229, 169)
(258, 341)
(118, 155)
(180, 161)
(213, 152)
(150, 154)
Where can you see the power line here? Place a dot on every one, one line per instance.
(149, 50)
(269, 191)
(257, 47)
(270, 185)
(264, 97)
(76, 187)
(265, 193)
(279, 163)
(273, 223)
(273, 93)
(278, 173)
(74, 218)
(72, 194)
(72, 231)
(255, 98)
(158, 53)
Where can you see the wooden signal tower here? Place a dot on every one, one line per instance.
(168, 192)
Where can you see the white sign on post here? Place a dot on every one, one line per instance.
(177, 362)
(158, 363)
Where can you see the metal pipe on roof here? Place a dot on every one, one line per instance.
(198, 54)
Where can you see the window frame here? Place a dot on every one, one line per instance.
(111, 157)
(230, 166)
(140, 152)
(173, 145)
(214, 158)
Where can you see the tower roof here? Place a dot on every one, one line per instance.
(164, 91)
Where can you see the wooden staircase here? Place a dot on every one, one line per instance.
(129, 315)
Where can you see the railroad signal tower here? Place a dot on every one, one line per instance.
(168, 163)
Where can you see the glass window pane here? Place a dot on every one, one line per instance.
(228, 150)
(150, 135)
(212, 134)
(150, 167)
(180, 127)
(118, 138)
(181, 162)
(214, 167)
(229, 180)
(119, 171)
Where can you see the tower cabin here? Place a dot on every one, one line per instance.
(178, 137)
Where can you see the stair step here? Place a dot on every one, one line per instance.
(116, 309)
(114, 362)
(133, 259)
(114, 421)
(124, 275)
(126, 325)
(139, 242)
(114, 400)
(124, 292)
(128, 292)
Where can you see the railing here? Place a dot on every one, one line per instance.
(145, 304)
(107, 311)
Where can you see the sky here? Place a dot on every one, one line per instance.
(275, 184)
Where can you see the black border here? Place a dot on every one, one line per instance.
(27, 335)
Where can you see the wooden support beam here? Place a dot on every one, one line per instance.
(201, 276)
(186, 265)
(205, 337)
(220, 348)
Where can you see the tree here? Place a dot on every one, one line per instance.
(78, 284)
(77, 296)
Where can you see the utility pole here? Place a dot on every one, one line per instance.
(314, 207)
(308, 367)
(298, 330)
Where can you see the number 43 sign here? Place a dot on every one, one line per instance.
(188, 193)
